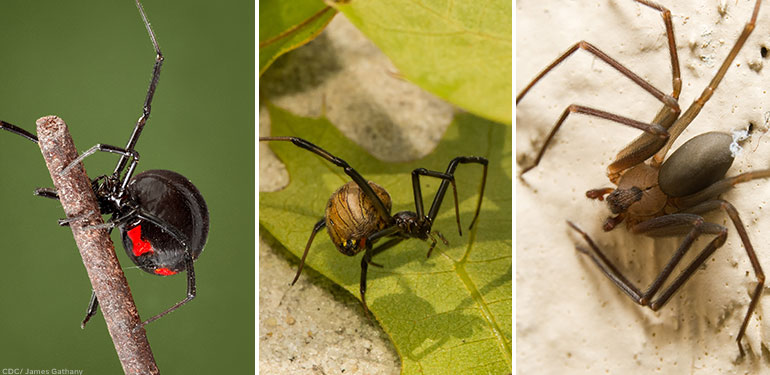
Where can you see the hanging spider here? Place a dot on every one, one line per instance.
(162, 217)
(358, 213)
(666, 196)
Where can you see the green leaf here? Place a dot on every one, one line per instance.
(447, 314)
(286, 25)
(460, 51)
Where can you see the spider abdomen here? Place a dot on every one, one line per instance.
(174, 200)
(698, 163)
(351, 216)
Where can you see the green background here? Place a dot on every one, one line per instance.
(89, 62)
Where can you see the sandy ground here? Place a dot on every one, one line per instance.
(570, 318)
(316, 327)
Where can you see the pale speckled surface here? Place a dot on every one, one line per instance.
(316, 327)
(570, 318)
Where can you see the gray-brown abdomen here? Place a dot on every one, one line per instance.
(351, 216)
(695, 165)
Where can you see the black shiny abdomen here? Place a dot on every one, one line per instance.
(172, 198)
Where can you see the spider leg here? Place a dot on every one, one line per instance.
(648, 143)
(732, 213)
(678, 127)
(49, 193)
(668, 100)
(719, 187)
(191, 291)
(676, 79)
(599, 193)
(146, 108)
(418, 192)
(69, 220)
(692, 225)
(432, 245)
(360, 180)
(434, 207)
(93, 306)
(317, 227)
(386, 245)
(367, 259)
(189, 267)
(607, 267)
(433, 241)
(130, 153)
(18, 131)
(382, 247)
(362, 284)
(188, 260)
(652, 140)
(676, 224)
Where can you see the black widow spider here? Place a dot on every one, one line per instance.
(162, 217)
(358, 213)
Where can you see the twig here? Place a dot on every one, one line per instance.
(96, 248)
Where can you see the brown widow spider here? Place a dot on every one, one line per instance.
(659, 196)
(358, 213)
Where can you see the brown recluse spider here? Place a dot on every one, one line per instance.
(659, 196)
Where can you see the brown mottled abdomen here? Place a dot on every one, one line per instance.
(351, 216)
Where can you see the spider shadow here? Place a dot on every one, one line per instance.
(641, 259)
(427, 326)
(428, 330)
